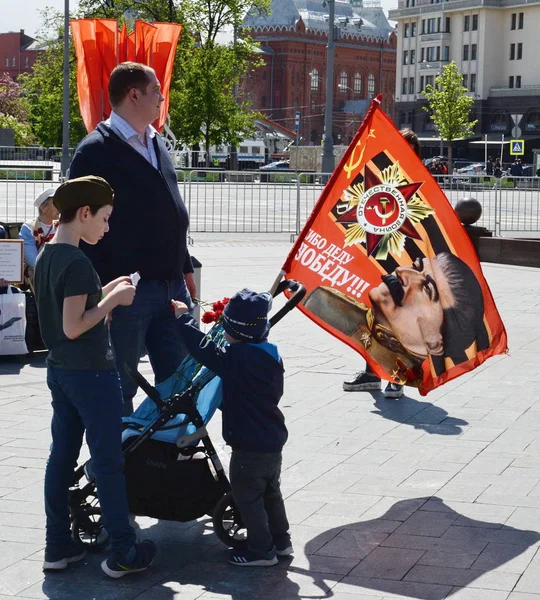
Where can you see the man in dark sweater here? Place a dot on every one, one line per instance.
(252, 374)
(148, 229)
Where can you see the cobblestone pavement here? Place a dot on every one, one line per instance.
(421, 498)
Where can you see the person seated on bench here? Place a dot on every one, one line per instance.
(37, 232)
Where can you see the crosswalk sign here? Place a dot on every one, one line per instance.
(517, 147)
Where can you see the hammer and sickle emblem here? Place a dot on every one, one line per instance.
(382, 214)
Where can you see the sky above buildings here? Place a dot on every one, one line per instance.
(25, 14)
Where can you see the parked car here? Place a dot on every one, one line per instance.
(278, 165)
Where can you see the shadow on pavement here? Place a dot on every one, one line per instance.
(420, 549)
(421, 415)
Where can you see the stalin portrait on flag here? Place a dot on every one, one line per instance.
(390, 270)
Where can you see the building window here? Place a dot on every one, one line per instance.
(343, 81)
(7, 61)
(405, 30)
(371, 86)
(466, 52)
(315, 80)
(512, 51)
(430, 55)
(474, 23)
(432, 25)
(430, 79)
(466, 81)
(421, 83)
(405, 57)
(439, 20)
(358, 83)
(520, 21)
(511, 81)
(422, 55)
(447, 29)
(446, 53)
(513, 21)
(474, 49)
(518, 81)
(26, 62)
(519, 51)
(313, 107)
(423, 26)
(413, 29)
(466, 23)
(413, 57)
(404, 83)
(13, 62)
(438, 53)
(472, 87)
(411, 85)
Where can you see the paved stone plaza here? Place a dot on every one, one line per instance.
(420, 498)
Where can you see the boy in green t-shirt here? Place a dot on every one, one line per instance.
(82, 377)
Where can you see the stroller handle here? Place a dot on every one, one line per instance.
(298, 292)
(145, 386)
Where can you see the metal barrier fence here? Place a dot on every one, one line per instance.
(27, 156)
(280, 202)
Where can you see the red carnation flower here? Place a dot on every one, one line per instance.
(218, 306)
(225, 301)
(208, 317)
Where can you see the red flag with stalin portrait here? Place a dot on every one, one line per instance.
(390, 270)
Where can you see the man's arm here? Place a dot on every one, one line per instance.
(30, 249)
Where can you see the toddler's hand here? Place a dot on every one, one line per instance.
(179, 308)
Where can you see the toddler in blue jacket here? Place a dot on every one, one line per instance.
(251, 371)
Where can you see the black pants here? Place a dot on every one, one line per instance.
(255, 482)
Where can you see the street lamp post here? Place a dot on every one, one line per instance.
(328, 162)
(65, 112)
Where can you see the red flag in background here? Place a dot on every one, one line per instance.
(99, 47)
(95, 42)
(389, 269)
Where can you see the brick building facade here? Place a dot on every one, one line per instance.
(293, 40)
(18, 53)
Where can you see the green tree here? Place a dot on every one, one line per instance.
(43, 87)
(202, 100)
(450, 107)
(22, 131)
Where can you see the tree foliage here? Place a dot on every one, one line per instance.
(22, 131)
(43, 87)
(12, 101)
(450, 107)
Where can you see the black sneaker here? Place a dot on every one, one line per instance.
(139, 558)
(246, 558)
(393, 390)
(58, 559)
(362, 382)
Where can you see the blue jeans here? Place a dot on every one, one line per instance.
(149, 322)
(88, 401)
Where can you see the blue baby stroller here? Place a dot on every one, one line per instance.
(172, 469)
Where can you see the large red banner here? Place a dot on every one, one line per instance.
(99, 47)
(390, 270)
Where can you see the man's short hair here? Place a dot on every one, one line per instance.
(463, 321)
(126, 76)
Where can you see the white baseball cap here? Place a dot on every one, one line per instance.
(45, 195)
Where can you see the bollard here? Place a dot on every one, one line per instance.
(197, 268)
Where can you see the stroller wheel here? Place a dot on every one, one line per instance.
(228, 523)
(87, 528)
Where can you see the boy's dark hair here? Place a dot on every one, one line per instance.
(69, 214)
(125, 77)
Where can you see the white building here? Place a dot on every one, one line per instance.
(496, 45)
